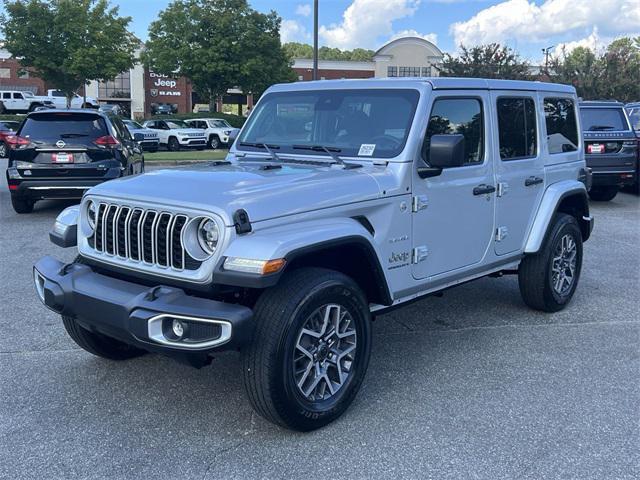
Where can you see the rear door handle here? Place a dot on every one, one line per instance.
(483, 189)
(532, 181)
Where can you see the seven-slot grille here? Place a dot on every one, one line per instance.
(147, 236)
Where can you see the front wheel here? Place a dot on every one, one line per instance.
(3, 150)
(310, 349)
(548, 279)
(98, 344)
(173, 145)
(603, 194)
(214, 142)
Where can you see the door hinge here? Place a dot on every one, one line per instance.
(501, 233)
(503, 189)
(419, 202)
(419, 254)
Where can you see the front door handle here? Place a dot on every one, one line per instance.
(483, 189)
(532, 181)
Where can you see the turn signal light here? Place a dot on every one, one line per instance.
(259, 267)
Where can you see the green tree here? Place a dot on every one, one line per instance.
(580, 68)
(622, 70)
(486, 61)
(302, 50)
(68, 43)
(217, 45)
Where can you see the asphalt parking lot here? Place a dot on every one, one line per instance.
(470, 385)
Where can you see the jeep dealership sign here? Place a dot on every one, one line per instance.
(164, 89)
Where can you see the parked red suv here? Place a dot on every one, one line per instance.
(7, 128)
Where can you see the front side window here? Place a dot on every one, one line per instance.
(562, 127)
(364, 123)
(18, 96)
(517, 128)
(603, 119)
(457, 116)
(176, 124)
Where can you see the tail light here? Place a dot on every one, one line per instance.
(106, 141)
(14, 141)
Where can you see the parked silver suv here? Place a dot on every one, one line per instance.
(338, 201)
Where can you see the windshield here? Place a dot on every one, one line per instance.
(634, 116)
(70, 127)
(27, 94)
(219, 124)
(177, 124)
(365, 123)
(603, 119)
(132, 124)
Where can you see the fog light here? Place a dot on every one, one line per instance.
(178, 328)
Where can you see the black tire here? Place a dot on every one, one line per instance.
(33, 106)
(536, 276)
(3, 150)
(173, 145)
(268, 361)
(603, 194)
(22, 205)
(96, 343)
(3, 109)
(214, 142)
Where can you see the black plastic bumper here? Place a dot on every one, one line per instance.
(123, 310)
(613, 178)
(58, 189)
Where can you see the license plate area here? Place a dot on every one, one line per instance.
(595, 148)
(62, 157)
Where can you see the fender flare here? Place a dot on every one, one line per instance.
(551, 200)
(293, 242)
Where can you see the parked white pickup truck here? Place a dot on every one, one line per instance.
(60, 100)
(22, 102)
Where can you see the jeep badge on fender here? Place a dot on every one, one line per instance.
(286, 250)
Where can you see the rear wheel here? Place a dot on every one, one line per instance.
(173, 145)
(310, 349)
(603, 194)
(22, 205)
(548, 279)
(2, 108)
(3, 150)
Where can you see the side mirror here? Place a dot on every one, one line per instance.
(445, 151)
(233, 135)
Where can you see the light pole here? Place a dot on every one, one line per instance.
(546, 58)
(315, 39)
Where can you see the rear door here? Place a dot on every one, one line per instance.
(62, 145)
(519, 166)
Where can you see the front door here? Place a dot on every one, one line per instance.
(453, 212)
(519, 168)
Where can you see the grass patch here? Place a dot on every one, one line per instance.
(186, 155)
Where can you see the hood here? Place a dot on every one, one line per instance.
(264, 194)
(148, 132)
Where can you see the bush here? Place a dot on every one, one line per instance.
(15, 118)
(235, 120)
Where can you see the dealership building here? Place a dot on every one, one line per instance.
(140, 90)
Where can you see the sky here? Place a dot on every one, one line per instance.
(525, 25)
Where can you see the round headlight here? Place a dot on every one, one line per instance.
(92, 214)
(208, 235)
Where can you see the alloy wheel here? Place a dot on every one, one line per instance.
(563, 267)
(325, 351)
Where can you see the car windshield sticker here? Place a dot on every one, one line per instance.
(366, 149)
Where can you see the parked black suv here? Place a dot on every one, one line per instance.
(60, 154)
(611, 147)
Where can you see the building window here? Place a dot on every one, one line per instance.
(562, 128)
(426, 71)
(120, 87)
(409, 71)
(300, 78)
(5, 73)
(392, 71)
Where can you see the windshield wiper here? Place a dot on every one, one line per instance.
(268, 148)
(594, 128)
(332, 153)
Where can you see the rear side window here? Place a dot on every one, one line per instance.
(69, 127)
(603, 119)
(6, 95)
(463, 116)
(562, 127)
(517, 128)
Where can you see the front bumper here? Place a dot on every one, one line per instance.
(136, 314)
(193, 142)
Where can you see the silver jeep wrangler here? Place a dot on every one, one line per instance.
(338, 200)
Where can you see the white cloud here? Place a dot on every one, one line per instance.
(430, 37)
(304, 9)
(521, 20)
(293, 31)
(365, 21)
(593, 42)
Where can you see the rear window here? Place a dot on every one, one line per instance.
(603, 119)
(51, 127)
